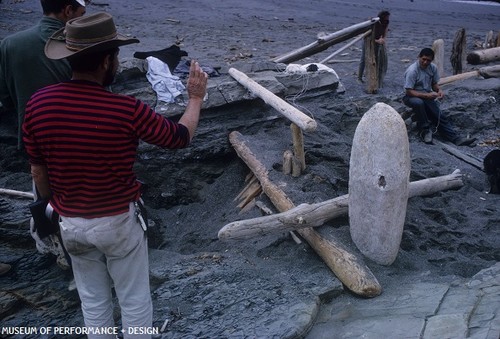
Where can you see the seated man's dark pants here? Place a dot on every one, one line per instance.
(427, 111)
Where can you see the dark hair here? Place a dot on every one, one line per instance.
(383, 14)
(427, 52)
(56, 6)
(90, 62)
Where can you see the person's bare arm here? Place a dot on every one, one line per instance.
(437, 89)
(41, 179)
(422, 95)
(196, 88)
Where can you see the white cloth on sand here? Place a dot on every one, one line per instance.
(166, 85)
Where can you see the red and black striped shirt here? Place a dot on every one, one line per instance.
(88, 137)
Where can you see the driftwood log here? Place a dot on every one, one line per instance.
(348, 267)
(484, 56)
(293, 114)
(14, 193)
(490, 71)
(326, 41)
(313, 215)
(457, 77)
(343, 48)
(485, 72)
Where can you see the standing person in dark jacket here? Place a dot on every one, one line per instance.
(24, 68)
(82, 143)
(381, 29)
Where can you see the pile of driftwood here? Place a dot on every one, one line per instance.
(344, 262)
(490, 52)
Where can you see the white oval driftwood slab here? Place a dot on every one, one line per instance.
(379, 174)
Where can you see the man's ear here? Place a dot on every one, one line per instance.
(107, 62)
(68, 12)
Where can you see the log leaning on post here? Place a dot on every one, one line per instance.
(348, 268)
(313, 215)
(305, 123)
(326, 41)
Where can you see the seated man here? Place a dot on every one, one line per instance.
(421, 94)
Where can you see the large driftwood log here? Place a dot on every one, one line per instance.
(15, 193)
(312, 215)
(483, 56)
(348, 268)
(326, 41)
(293, 114)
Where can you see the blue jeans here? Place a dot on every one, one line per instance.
(106, 251)
(427, 112)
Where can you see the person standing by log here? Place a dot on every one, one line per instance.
(422, 94)
(82, 143)
(379, 34)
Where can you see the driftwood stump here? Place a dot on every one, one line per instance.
(457, 57)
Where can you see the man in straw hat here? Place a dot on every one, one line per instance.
(82, 143)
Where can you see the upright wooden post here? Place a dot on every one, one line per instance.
(371, 68)
(458, 51)
(438, 48)
(298, 145)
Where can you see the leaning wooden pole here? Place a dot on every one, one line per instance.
(326, 41)
(346, 46)
(305, 123)
(348, 268)
(312, 215)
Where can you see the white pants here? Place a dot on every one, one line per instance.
(110, 250)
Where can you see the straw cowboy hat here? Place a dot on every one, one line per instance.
(84, 35)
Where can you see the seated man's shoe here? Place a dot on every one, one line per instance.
(426, 136)
(4, 268)
(464, 141)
